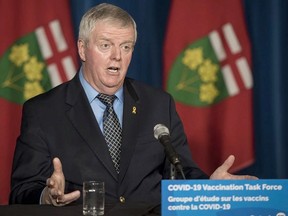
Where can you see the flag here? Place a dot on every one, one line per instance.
(207, 69)
(37, 53)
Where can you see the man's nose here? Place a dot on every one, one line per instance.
(116, 53)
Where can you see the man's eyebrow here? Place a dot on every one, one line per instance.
(129, 41)
(105, 39)
(124, 42)
(108, 39)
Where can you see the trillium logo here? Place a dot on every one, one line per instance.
(35, 63)
(206, 71)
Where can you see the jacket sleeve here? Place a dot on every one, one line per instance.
(32, 163)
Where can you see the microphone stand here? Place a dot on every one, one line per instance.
(172, 171)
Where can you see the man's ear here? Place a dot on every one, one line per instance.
(81, 49)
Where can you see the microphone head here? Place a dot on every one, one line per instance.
(160, 130)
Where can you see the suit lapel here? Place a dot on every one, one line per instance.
(131, 113)
(83, 119)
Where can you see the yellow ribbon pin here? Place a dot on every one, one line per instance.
(134, 110)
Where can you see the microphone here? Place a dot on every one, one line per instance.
(162, 134)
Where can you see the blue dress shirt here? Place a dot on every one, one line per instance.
(97, 106)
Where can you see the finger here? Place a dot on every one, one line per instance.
(253, 177)
(55, 192)
(57, 165)
(244, 177)
(50, 182)
(53, 188)
(68, 198)
(227, 164)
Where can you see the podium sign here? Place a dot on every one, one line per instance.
(225, 197)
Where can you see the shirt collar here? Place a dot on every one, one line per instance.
(92, 93)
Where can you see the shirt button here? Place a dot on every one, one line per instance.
(122, 199)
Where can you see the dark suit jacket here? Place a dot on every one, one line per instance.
(60, 123)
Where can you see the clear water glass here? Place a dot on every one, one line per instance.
(93, 198)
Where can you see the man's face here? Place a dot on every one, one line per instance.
(107, 56)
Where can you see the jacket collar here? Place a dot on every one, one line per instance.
(81, 116)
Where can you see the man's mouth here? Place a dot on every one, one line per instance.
(113, 69)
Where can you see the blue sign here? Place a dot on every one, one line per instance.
(225, 197)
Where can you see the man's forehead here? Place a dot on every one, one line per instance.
(109, 31)
(115, 23)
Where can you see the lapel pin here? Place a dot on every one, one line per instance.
(134, 110)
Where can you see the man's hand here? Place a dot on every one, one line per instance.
(222, 171)
(55, 185)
